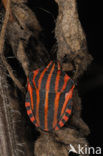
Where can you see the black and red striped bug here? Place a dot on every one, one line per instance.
(48, 100)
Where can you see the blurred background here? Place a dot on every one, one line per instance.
(91, 83)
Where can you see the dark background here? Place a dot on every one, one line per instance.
(91, 83)
(90, 13)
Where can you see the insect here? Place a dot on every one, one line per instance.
(48, 99)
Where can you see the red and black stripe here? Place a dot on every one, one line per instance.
(48, 100)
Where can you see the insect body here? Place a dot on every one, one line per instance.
(48, 100)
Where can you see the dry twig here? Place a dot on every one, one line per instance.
(2, 41)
